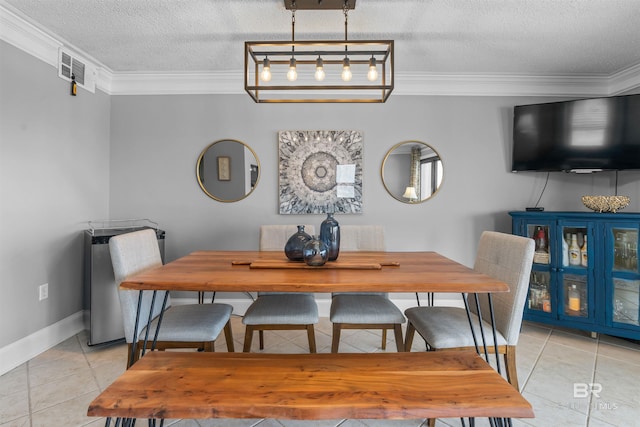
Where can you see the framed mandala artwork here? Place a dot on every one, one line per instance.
(320, 172)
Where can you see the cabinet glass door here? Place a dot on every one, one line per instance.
(626, 301)
(540, 234)
(575, 250)
(575, 295)
(540, 293)
(574, 271)
(625, 249)
(624, 297)
(542, 296)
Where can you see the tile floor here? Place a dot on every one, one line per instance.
(55, 388)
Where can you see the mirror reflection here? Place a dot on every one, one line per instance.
(412, 171)
(228, 170)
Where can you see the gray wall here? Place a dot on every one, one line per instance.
(54, 176)
(67, 160)
(156, 140)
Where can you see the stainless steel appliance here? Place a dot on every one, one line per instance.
(100, 291)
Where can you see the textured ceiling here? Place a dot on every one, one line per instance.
(516, 37)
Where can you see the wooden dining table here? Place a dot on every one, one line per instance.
(262, 271)
(271, 271)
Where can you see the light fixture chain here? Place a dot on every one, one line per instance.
(293, 26)
(346, 19)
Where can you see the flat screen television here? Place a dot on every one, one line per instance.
(578, 136)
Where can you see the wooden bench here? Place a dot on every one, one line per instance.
(194, 385)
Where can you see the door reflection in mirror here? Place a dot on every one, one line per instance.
(412, 171)
(228, 170)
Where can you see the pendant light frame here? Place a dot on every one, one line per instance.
(306, 89)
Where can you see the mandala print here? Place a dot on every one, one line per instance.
(316, 172)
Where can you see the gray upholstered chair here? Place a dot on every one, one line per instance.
(183, 326)
(280, 310)
(504, 257)
(364, 310)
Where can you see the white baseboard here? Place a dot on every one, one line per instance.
(23, 350)
(19, 352)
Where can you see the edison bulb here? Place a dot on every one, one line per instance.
(346, 70)
(372, 75)
(292, 74)
(265, 75)
(319, 70)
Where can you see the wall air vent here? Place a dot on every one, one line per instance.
(85, 73)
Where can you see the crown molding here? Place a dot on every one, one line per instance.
(18, 31)
(625, 81)
(499, 85)
(179, 83)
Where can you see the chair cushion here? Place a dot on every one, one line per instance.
(191, 322)
(282, 309)
(364, 309)
(448, 327)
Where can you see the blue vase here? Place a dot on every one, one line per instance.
(330, 236)
(295, 244)
(315, 252)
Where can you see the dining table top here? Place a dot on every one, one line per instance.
(271, 271)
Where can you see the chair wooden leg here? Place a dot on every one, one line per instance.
(397, 330)
(209, 346)
(248, 337)
(432, 422)
(261, 337)
(384, 339)
(408, 340)
(228, 336)
(510, 366)
(311, 335)
(335, 343)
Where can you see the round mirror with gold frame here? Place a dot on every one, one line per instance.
(228, 170)
(412, 172)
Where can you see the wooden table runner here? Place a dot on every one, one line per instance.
(328, 265)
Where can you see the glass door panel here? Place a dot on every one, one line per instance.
(626, 299)
(540, 291)
(575, 295)
(625, 249)
(574, 247)
(540, 233)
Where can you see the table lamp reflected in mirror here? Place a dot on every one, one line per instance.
(410, 193)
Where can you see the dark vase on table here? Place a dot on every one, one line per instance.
(315, 252)
(330, 236)
(295, 244)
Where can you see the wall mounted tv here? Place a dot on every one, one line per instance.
(583, 135)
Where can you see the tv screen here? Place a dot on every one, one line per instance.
(585, 134)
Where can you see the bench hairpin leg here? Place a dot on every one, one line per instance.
(134, 340)
(164, 306)
(500, 422)
(493, 330)
(473, 331)
(149, 319)
(484, 339)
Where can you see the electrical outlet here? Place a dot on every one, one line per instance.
(43, 291)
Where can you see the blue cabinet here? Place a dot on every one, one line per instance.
(586, 273)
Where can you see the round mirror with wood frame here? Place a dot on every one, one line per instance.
(412, 172)
(228, 170)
